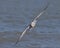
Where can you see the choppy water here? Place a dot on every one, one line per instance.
(15, 15)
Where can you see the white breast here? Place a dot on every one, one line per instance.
(33, 23)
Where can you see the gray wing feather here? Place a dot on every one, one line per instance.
(42, 12)
(19, 38)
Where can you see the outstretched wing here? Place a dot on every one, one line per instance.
(41, 12)
(19, 38)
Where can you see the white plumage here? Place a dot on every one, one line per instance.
(33, 23)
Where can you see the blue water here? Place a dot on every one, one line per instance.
(16, 15)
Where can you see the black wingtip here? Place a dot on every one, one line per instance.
(17, 41)
(46, 6)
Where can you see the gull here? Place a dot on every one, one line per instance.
(32, 25)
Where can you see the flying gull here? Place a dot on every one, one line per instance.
(32, 25)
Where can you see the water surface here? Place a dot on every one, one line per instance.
(15, 15)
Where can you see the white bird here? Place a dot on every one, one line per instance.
(32, 25)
